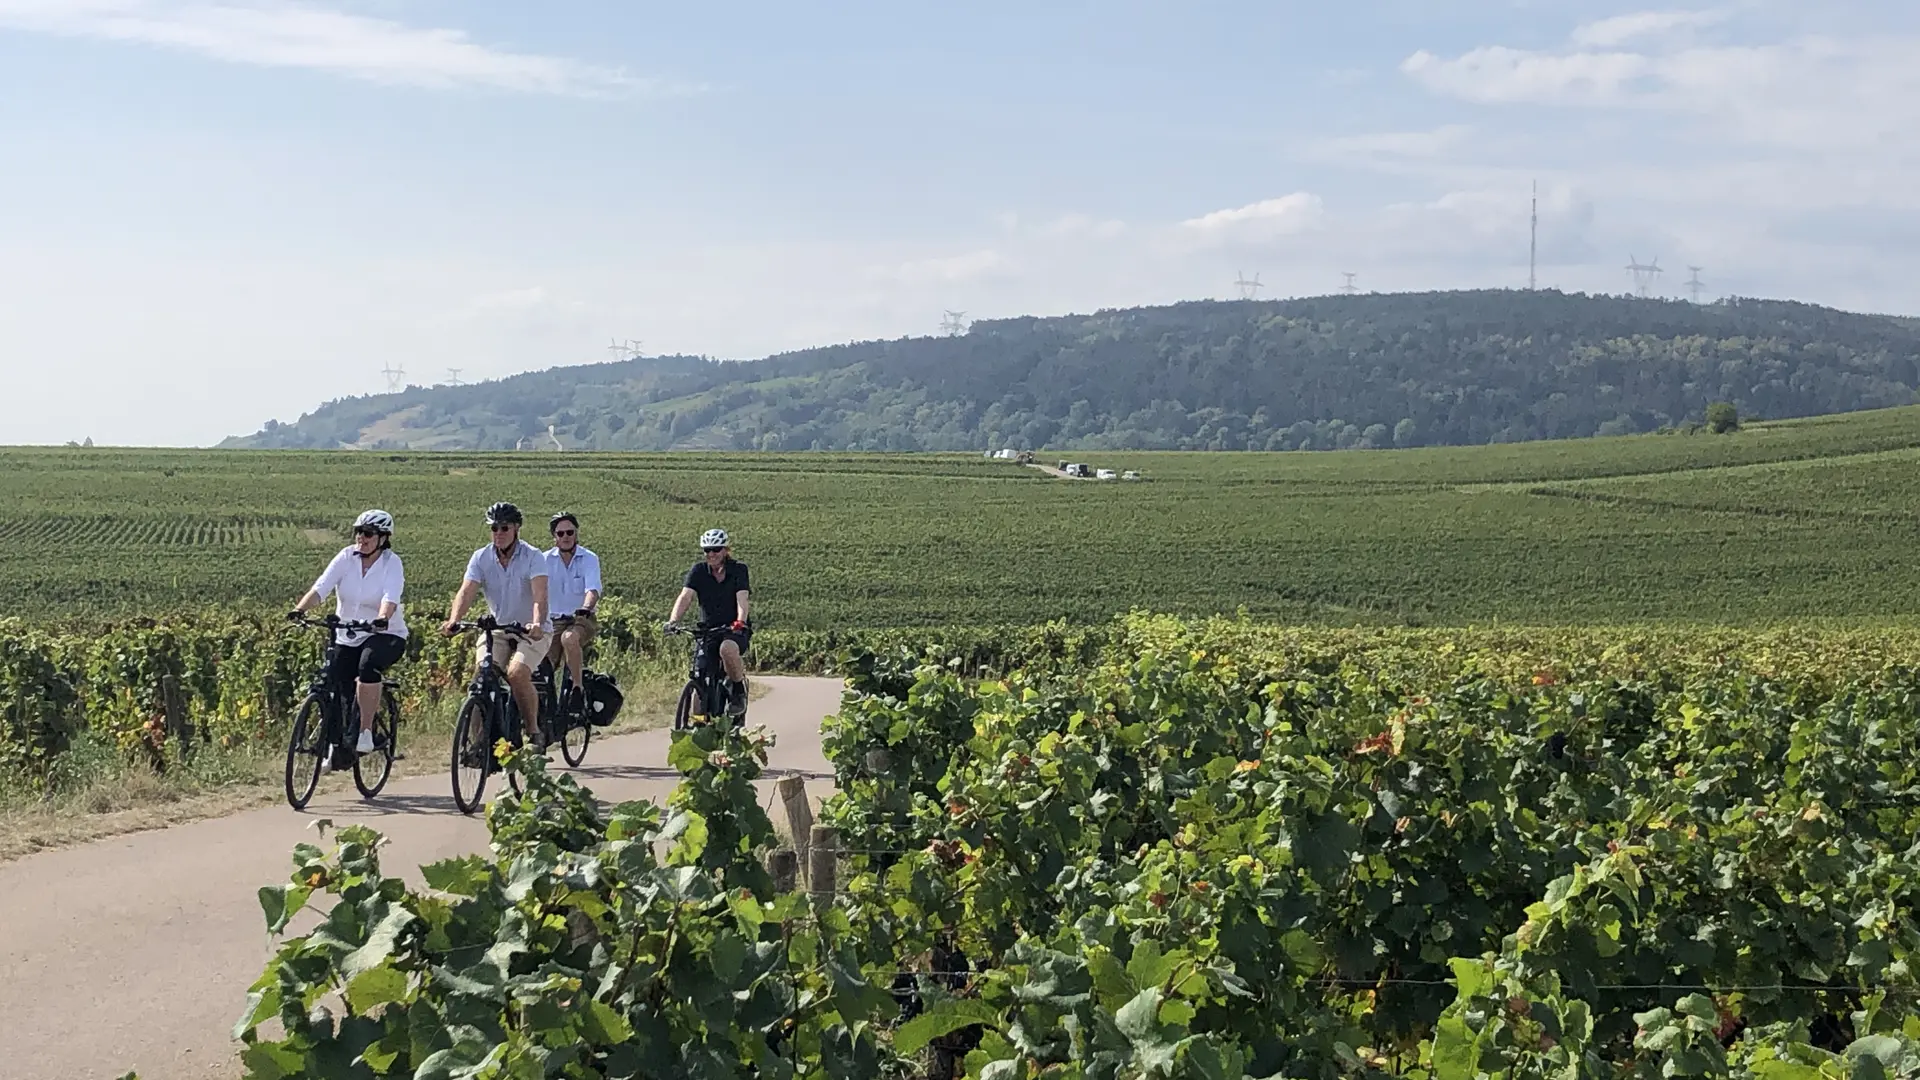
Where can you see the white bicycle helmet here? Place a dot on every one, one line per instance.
(713, 538)
(378, 520)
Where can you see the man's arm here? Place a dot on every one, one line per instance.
(462, 600)
(593, 583)
(741, 604)
(539, 583)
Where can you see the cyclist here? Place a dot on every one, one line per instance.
(573, 584)
(719, 582)
(512, 574)
(366, 580)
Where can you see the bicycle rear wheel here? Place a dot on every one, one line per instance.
(370, 771)
(472, 752)
(306, 748)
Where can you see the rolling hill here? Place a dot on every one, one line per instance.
(1374, 371)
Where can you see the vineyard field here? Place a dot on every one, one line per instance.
(1213, 851)
(1777, 522)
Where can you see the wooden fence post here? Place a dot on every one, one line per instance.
(823, 860)
(792, 791)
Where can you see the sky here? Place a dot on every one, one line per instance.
(216, 212)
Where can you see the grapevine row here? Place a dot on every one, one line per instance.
(1205, 851)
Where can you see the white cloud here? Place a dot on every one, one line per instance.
(1496, 74)
(1813, 94)
(950, 269)
(290, 33)
(1084, 225)
(1284, 216)
(1388, 145)
(1620, 29)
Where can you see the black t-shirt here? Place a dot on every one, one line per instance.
(719, 603)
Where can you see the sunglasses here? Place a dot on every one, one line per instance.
(713, 551)
(503, 528)
(366, 532)
(563, 532)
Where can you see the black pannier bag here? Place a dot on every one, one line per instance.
(603, 698)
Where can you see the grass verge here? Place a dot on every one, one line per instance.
(99, 793)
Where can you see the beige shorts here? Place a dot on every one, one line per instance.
(506, 646)
(584, 627)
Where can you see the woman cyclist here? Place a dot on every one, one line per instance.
(366, 580)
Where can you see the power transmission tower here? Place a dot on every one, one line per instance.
(453, 376)
(1694, 284)
(1643, 274)
(954, 323)
(1248, 289)
(396, 377)
(1349, 288)
(1533, 241)
(625, 350)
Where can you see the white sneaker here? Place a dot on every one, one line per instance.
(365, 745)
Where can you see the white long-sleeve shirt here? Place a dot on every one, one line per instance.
(569, 583)
(359, 593)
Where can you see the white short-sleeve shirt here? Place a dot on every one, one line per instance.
(359, 591)
(569, 582)
(509, 588)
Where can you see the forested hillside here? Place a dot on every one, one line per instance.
(1320, 373)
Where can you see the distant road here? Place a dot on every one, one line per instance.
(135, 952)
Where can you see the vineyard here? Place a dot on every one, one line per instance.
(1776, 522)
(1205, 850)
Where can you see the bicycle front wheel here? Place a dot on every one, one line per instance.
(472, 751)
(306, 748)
(691, 705)
(370, 771)
(576, 731)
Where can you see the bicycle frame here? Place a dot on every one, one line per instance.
(705, 669)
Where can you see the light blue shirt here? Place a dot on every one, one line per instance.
(569, 583)
(509, 588)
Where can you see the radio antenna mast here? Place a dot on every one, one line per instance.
(1533, 242)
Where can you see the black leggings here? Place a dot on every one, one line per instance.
(368, 661)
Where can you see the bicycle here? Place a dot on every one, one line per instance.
(322, 729)
(706, 687)
(558, 723)
(489, 715)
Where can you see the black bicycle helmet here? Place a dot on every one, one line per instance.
(564, 515)
(503, 513)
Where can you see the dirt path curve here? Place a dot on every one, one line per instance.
(135, 952)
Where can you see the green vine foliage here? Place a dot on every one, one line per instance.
(634, 943)
(1214, 851)
(1365, 852)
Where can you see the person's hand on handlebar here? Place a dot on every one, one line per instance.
(296, 615)
(671, 626)
(738, 626)
(450, 627)
(381, 625)
(535, 632)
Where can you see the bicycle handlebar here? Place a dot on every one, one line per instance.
(335, 622)
(487, 622)
(711, 631)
